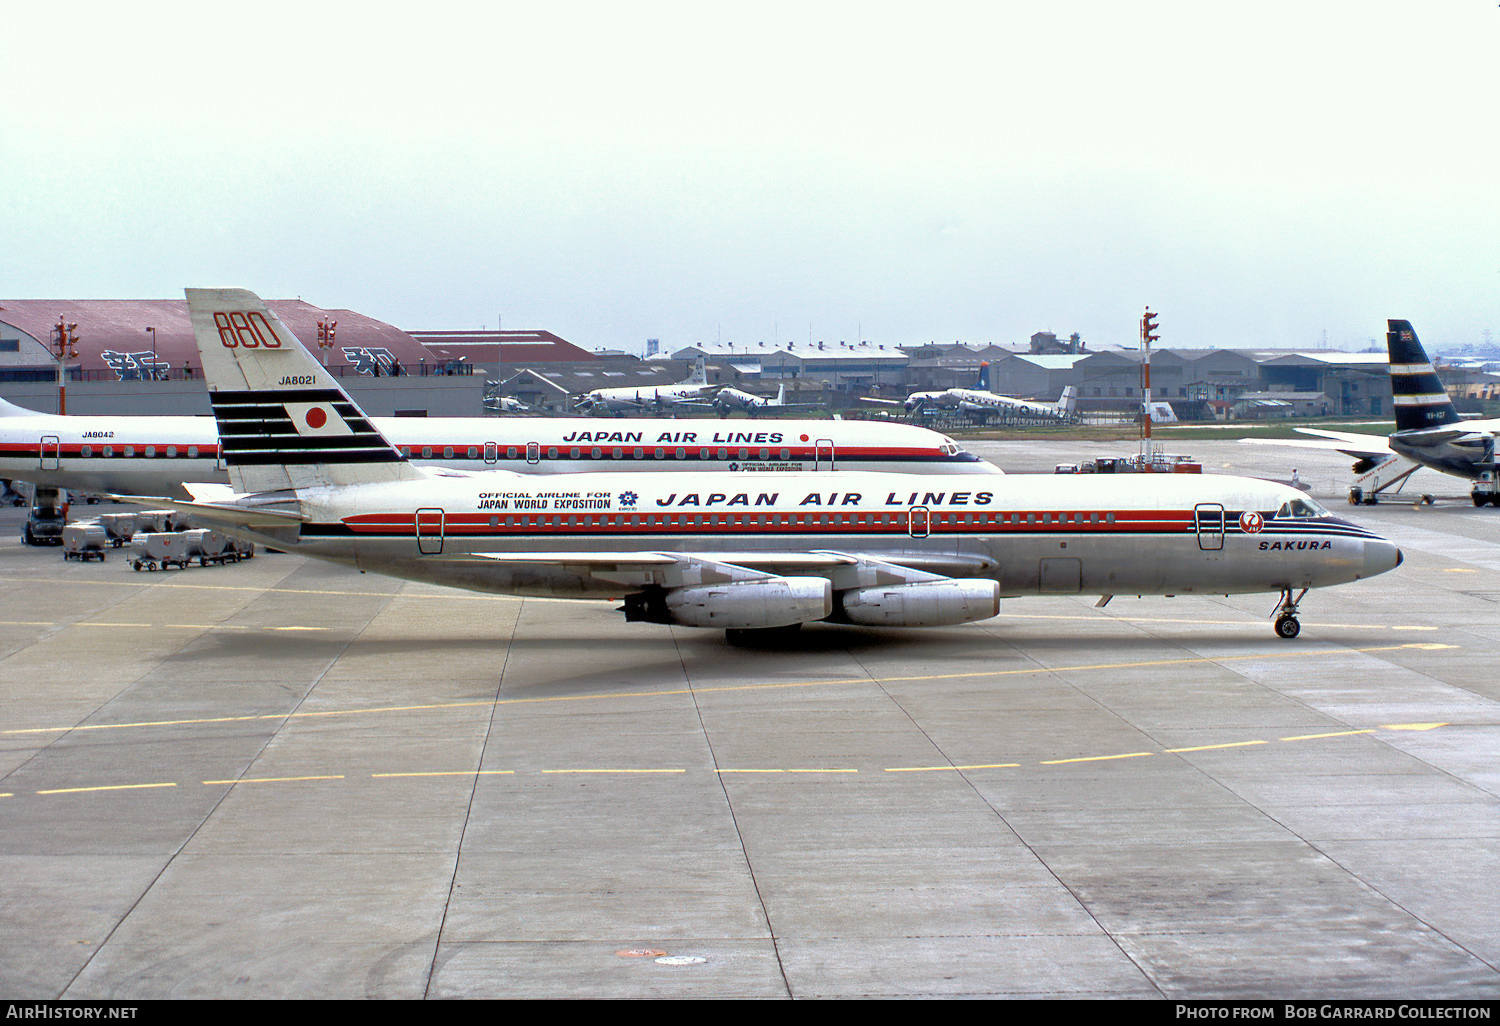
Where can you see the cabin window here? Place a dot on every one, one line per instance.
(573, 453)
(192, 452)
(447, 452)
(86, 451)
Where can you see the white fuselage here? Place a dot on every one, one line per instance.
(157, 455)
(972, 399)
(612, 400)
(1044, 534)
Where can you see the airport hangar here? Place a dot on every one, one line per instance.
(138, 356)
(290, 780)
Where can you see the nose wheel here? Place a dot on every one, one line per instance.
(1287, 624)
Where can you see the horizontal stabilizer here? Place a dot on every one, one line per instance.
(227, 513)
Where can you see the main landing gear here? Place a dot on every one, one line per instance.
(1287, 624)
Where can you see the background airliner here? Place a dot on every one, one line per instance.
(157, 455)
(1429, 430)
(694, 391)
(981, 400)
(742, 553)
(729, 398)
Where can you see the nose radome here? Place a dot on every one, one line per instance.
(1381, 556)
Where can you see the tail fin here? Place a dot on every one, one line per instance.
(983, 384)
(1420, 399)
(700, 373)
(1067, 402)
(780, 395)
(283, 420)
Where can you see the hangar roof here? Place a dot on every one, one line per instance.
(112, 335)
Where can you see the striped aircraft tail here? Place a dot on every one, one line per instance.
(283, 420)
(1421, 401)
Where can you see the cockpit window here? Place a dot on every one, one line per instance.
(1302, 508)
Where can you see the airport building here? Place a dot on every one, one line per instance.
(138, 356)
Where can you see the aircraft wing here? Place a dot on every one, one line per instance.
(1357, 446)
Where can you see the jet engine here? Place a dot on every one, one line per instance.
(768, 602)
(925, 604)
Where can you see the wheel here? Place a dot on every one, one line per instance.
(1479, 500)
(1355, 495)
(1287, 626)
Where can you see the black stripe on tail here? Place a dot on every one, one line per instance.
(1420, 399)
(254, 429)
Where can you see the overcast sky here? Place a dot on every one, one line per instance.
(1262, 174)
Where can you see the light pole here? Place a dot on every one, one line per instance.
(153, 352)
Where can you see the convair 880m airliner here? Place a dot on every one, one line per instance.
(156, 455)
(741, 553)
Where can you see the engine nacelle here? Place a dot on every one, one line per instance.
(926, 604)
(772, 602)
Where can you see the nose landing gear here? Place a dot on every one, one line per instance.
(1287, 624)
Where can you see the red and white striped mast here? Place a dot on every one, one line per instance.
(1149, 334)
(64, 348)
